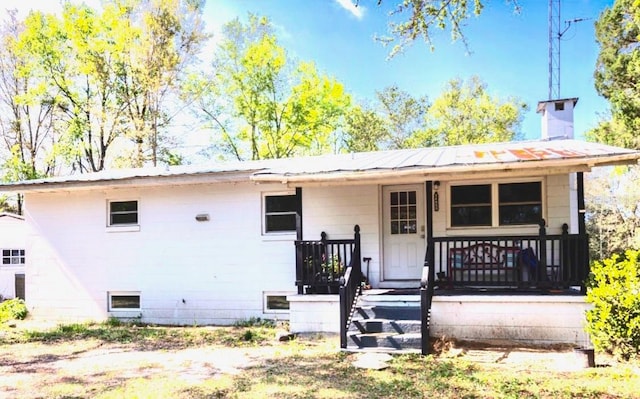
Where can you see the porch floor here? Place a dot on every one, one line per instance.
(474, 291)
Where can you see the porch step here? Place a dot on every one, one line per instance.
(387, 342)
(388, 312)
(386, 323)
(372, 326)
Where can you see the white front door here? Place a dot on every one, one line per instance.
(404, 242)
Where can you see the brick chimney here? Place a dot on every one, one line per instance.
(557, 118)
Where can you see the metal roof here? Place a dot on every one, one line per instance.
(532, 157)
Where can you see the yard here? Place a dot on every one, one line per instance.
(116, 361)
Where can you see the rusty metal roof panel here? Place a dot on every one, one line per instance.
(424, 160)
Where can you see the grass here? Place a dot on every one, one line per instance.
(149, 336)
(302, 368)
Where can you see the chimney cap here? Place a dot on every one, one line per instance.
(541, 104)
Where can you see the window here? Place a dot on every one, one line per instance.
(497, 204)
(276, 302)
(280, 213)
(13, 256)
(403, 208)
(559, 106)
(520, 203)
(123, 213)
(471, 205)
(124, 301)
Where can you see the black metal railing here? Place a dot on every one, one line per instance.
(514, 261)
(350, 289)
(321, 263)
(426, 297)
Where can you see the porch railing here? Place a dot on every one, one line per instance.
(320, 264)
(516, 261)
(350, 289)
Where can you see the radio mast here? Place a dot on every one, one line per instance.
(555, 35)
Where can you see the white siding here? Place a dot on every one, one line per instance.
(12, 236)
(186, 271)
(336, 210)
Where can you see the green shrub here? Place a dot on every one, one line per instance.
(614, 291)
(13, 309)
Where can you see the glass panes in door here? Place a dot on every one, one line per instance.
(403, 215)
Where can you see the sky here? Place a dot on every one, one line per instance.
(507, 50)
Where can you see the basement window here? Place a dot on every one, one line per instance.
(124, 301)
(276, 302)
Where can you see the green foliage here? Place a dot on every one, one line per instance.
(251, 332)
(614, 321)
(613, 210)
(617, 72)
(262, 103)
(255, 322)
(465, 113)
(13, 309)
(394, 118)
(425, 15)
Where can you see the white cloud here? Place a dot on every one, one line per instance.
(348, 5)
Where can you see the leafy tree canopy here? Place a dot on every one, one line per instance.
(413, 19)
(261, 102)
(617, 74)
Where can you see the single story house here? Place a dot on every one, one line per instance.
(12, 247)
(273, 239)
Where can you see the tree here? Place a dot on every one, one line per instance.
(166, 42)
(617, 73)
(395, 117)
(27, 111)
(365, 130)
(262, 104)
(613, 211)
(424, 15)
(465, 113)
(77, 55)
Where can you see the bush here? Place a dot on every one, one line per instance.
(13, 309)
(614, 290)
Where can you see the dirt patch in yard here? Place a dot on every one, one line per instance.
(93, 368)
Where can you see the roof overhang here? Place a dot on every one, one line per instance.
(483, 161)
(451, 173)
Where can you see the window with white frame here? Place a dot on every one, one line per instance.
(123, 213)
(496, 204)
(280, 212)
(276, 302)
(13, 256)
(124, 301)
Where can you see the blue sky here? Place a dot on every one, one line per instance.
(508, 51)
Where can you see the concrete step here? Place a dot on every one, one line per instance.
(390, 300)
(387, 312)
(365, 326)
(388, 342)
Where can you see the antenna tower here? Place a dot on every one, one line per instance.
(554, 49)
(555, 35)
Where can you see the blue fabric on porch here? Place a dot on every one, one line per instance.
(529, 258)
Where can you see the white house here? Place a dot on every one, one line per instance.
(12, 247)
(215, 244)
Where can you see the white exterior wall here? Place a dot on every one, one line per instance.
(539, 320)
(12, 236)
(187, 272)
(556, 208)
(336, 210)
